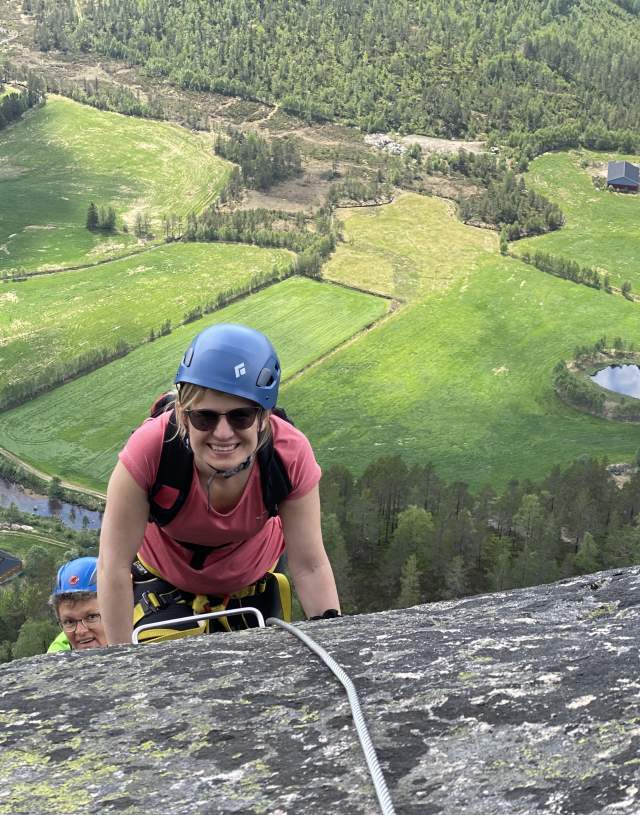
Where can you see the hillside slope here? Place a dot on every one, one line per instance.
(448, 68)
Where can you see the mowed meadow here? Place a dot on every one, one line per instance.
(62, 156)
(407, 249)
(462, 377)
(52, 320)
(76, 430)
(602, 227)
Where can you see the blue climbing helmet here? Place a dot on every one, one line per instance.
(77, 575)
(233, 359)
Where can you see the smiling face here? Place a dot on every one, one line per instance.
(85, 636)
(224, 447)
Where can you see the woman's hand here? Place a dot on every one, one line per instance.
(308, 562)
(123, 526)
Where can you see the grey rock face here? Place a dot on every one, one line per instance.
(519, 703)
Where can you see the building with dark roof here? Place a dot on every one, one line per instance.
(623, 176)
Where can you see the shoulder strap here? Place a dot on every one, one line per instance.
(175, 471)
(274, 477)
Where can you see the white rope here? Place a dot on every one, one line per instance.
(384, 798)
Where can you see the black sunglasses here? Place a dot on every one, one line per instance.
(238, 418)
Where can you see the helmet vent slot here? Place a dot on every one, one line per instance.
(265, 378)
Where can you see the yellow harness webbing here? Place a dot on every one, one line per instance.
(272, 595)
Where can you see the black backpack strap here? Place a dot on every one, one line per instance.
(274, 478)
(175, 470)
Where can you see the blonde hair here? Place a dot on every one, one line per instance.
(188, 394)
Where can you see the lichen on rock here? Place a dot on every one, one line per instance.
(519, 702)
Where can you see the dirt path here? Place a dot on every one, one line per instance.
(35, 535)
(432, 145)
(67, 485)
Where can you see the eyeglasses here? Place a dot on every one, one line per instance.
(87, 622)
(238, 418)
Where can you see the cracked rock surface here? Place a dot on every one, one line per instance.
(521, 702)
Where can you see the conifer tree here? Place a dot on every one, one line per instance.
(455, 581)
(409, 584)
(92, 216)
(587, 559)
(339, 559)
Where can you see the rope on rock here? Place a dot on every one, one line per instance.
(382, 791)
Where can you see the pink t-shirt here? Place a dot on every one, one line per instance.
(245, 542)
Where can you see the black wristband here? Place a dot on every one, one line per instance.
(329, 614)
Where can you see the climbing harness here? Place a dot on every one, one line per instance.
(157, 601)
(377, 776)
(196, 618)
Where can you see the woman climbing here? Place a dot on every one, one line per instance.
(208, 495)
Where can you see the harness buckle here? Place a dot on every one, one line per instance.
(150, 602)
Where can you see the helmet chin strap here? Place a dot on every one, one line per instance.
(234, 470)
(240, 467)
(226, 474)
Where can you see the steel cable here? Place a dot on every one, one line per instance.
(379, 783)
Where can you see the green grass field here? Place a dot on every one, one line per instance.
(48, 319)
(601, 229)
(60, 157)
(407, 249)
(76, 430)
(463, 377)
(19, 543)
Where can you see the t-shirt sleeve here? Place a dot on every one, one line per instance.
(141, 454)
(297, 456)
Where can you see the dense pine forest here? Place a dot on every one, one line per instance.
(455, 68)
(401, 535)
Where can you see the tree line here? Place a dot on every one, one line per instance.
(105, 96)
(313, 238)
(66, 370)
(399, 535)
(12, 395)
(13, 104)
(16, 473)
(451, 68)
(578, 390)
(571, 270)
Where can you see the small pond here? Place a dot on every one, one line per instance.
(27, 501)
(623, 379)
